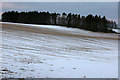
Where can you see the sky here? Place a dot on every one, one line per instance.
(59, 0)
(108, 9)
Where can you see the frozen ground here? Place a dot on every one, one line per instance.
(44, 51)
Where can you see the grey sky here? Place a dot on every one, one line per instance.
(59, 0)
(108, 9)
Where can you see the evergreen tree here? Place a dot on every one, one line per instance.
(69, 20)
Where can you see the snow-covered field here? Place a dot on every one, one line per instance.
(44, 51)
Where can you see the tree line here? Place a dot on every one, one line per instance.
(93, 23)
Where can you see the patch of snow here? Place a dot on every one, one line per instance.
(116, 30)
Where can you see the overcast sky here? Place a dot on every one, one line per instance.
(59, 0)
(108, 9)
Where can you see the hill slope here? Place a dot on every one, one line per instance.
(46, 51)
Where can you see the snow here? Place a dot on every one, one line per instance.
(30, 54)
(116, 30)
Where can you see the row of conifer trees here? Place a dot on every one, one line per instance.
(90, 22)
